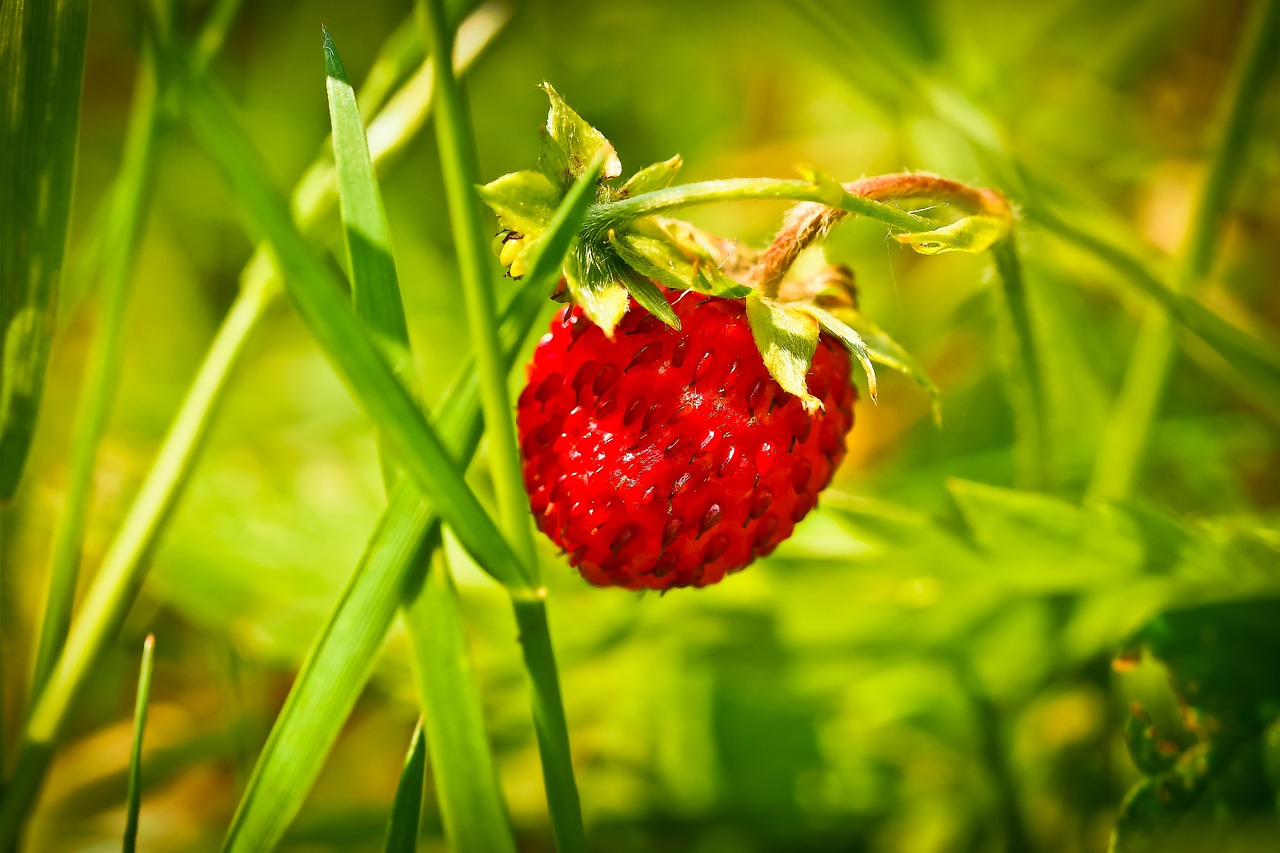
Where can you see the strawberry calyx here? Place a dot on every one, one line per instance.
(629, 249)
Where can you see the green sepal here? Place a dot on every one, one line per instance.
(655, 177)
(523, 201)
(674, 261)
(887, 352)
(650, 298)
(787, 338)
(595, 289)
(973, 234)
(653, 256)
(847, 336)
(570, 144)
(710, 280)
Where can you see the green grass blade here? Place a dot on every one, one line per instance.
(462, 762)
(457, 160)
(342, 657)
(134, 797)
(466, 780)
(406, 808)
(375, 287)
(131, 200)
(125, 564)
(42, 49)
(320, 301)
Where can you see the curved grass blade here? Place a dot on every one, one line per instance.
(340, 660)
(42, 48)
(134, 799)
(406, 808)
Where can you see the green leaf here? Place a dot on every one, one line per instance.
(654, 177)
(650, 298)
(847, 336)
(134, 797)
(887, 352)
(787, 339)
(375, 286)
(461, 759)
(42, 48)
(523, 201)
(973, 234)
(570, 144)
(595, 289)
(319, 299)
(406, 808)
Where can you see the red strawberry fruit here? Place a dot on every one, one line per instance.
(668, 458)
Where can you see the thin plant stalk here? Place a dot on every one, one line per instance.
(1021, 368)
(134, 794)
(606, 216)
(102, 366)
(457, 158)
(1129, 429)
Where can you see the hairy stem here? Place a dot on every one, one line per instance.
(809, 222)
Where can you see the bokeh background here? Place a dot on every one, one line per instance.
(926, 666)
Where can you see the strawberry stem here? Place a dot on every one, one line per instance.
(618, 213)
(809, 222)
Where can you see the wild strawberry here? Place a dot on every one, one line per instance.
(668, 458)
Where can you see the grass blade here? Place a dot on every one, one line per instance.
(470, 798)
(375, 287)
(42, 49)
(134, 798)
(457, 160)
(406, 808)
(343, 655)
(102, 367)
(466, 780)
(125, 564)
(320, 301)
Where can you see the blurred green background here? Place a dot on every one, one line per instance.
(926, 666)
